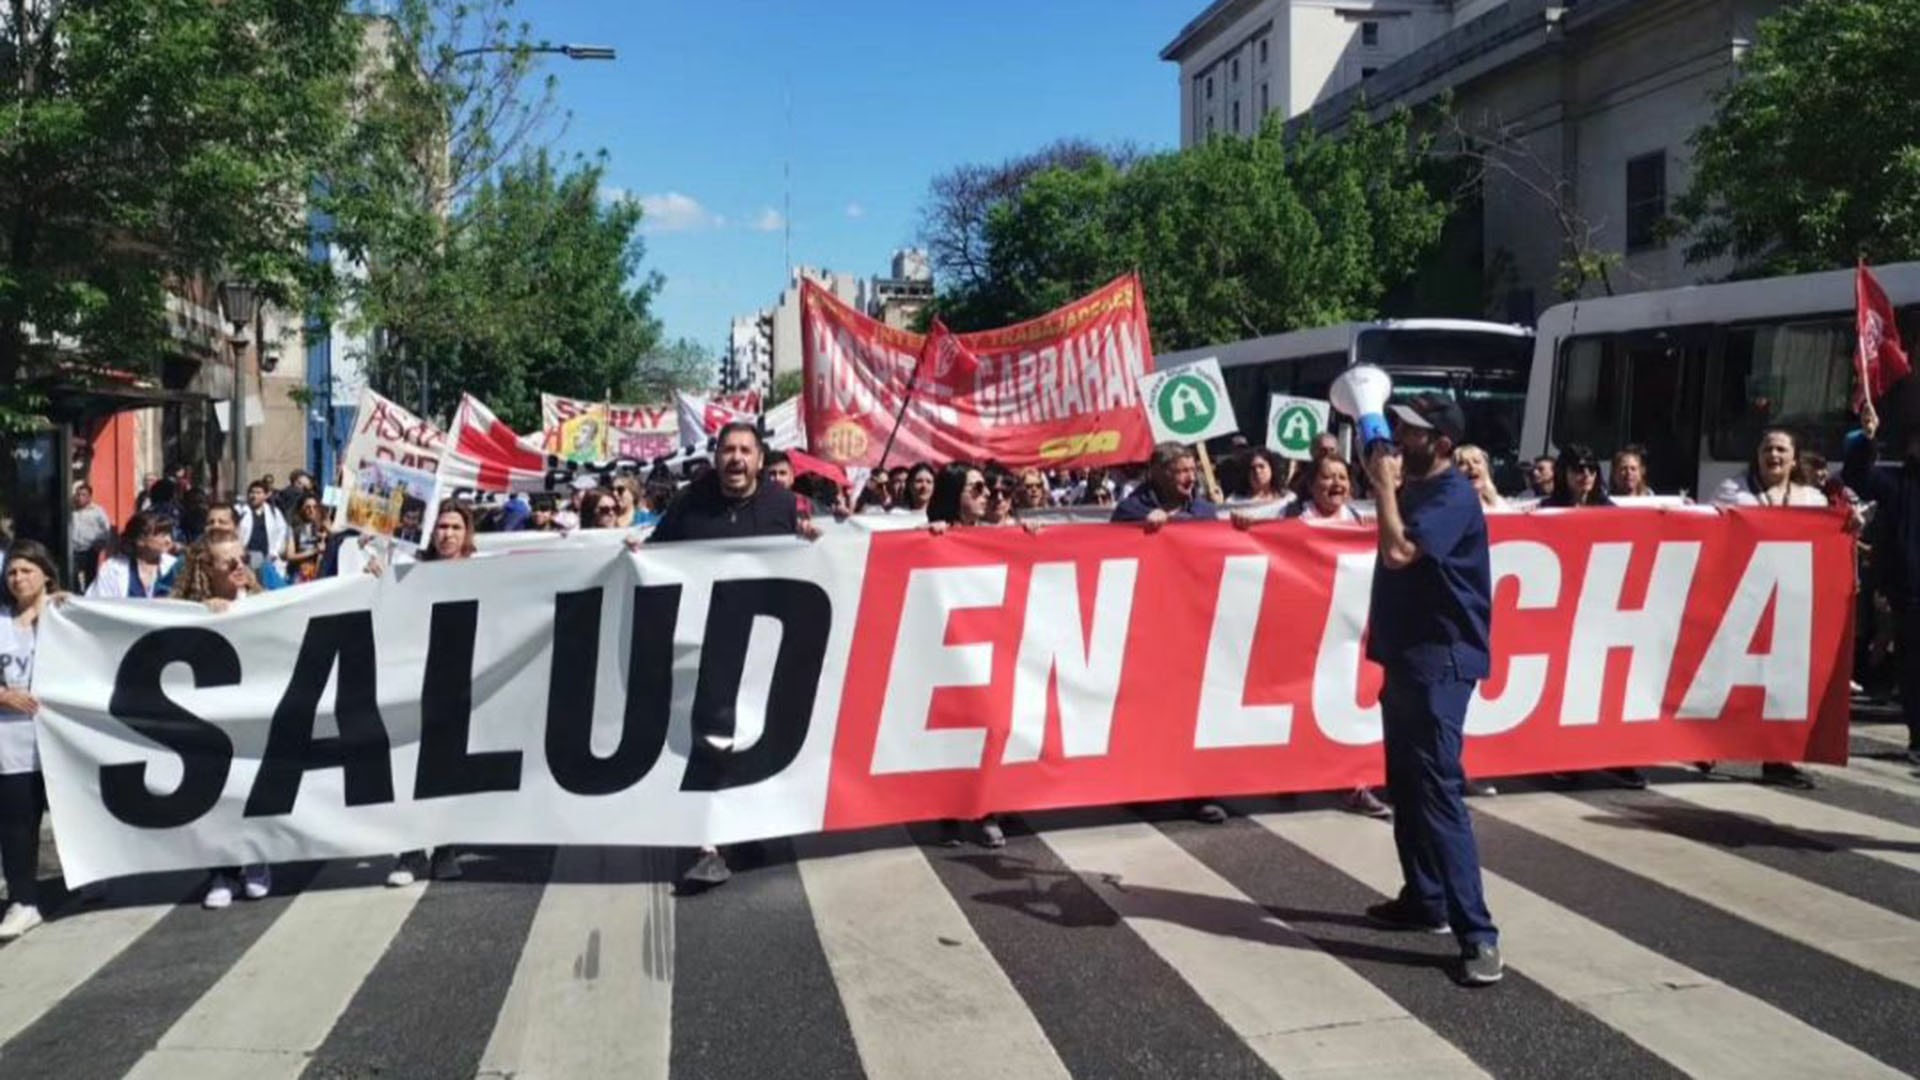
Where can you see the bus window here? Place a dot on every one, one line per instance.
(1492, 405)
(1251, 386)
(1316, 374)
(1621, 390)
(1797, 376)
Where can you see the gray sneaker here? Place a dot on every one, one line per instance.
(709, 870)
(1480, 965)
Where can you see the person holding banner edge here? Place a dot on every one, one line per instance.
(1429, 624)
(28, 576)
(452, 538)
(1896, 499)
(729, 501)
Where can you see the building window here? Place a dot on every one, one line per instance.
(1368, 72)
(1263, 50)
(1236, 69)
(1370, 34)
(1236, 117)
(1209, 127)
(1209, 88)
(1263, 99)
(1646, 200)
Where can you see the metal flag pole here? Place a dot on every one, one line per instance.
(913, 381)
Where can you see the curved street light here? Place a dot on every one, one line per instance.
(571, 52)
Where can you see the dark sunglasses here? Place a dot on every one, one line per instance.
(978, 487)
(1584, 466)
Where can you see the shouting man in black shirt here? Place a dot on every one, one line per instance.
(725, 503)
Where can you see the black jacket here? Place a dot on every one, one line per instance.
(1896, 519)
(703, 512)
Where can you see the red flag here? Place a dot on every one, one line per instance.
(805, 463)
(1879, 359)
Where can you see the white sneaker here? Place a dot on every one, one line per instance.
(258, 881)
(408, 867)
(219, 893)
(20, 919)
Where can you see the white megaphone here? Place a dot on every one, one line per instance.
(1361, 392)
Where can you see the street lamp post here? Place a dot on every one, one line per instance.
(240, 302)
(571, 52)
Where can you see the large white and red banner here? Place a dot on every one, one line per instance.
(1056, 391)
(686, 694)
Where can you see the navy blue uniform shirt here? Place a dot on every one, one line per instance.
(1429, 620)
(1144, 501)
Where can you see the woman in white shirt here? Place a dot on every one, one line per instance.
(1472, 463)
(1329, 485)
(144, 558)
(1769, 481)
(1769, 477)
(28, 576)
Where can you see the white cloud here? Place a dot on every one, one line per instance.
(674, 212)
(769, 220)
(855, 210)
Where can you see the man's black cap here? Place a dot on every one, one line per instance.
(1434, 412)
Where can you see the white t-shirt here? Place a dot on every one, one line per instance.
(1310, 513)
(1734, 492)
(19, 752)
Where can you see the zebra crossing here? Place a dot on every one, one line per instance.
(1706, 927)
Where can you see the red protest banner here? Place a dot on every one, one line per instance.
(1055, 391)
(1094, 665)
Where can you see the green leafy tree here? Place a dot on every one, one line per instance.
(535, 291)
(1233, 238)
(683, 364)
(489, 266)
(150, 143)
(1813, 158)
(787, 384)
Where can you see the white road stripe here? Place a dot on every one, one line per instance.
(923, 995)
(38, 970)
(1849, 830)
(1304, 1012)
(1901, 779)
(1894, 735)
(1857, 932)
(279, 1000)
(1700, 1025)
(592, 994)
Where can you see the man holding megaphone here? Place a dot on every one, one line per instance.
(1428, 627)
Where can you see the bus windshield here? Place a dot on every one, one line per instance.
(1486, 373)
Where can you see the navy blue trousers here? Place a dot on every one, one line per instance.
(1431, 828)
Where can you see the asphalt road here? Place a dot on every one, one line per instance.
(1709, 926)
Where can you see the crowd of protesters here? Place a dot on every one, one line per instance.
(186, 543)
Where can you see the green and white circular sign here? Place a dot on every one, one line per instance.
(1186, 405)
(1295, 428)
(1294, 423)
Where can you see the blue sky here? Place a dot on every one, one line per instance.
(694, 118)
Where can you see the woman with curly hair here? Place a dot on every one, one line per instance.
(214, 572)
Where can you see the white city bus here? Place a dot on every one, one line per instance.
(1483, 365)
(1694, 374)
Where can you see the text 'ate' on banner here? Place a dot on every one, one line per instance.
(1059, 390)
(688, 694)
